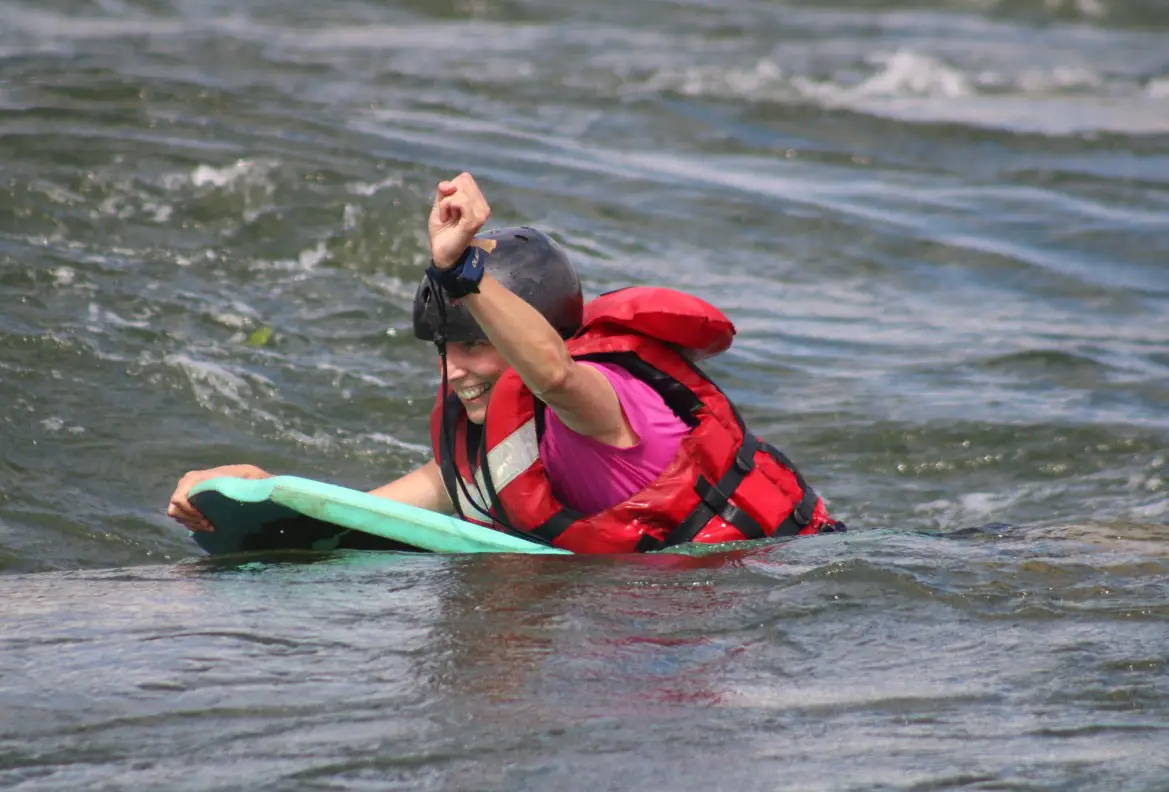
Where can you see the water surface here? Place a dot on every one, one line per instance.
(939, 229)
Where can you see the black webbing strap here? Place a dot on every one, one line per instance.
(538, 408)
(446, 459)
(747, 525)
(803, 512)
(783, 459)
(549, 531)
(450, 480)
(713, 498)
(801, 515)
(680, 399)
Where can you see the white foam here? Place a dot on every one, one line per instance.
(350, 217)
(390, 440)
(1072, 93)
(114, 206)
(160, 212)
(245, 390)
(764, 79)
(103, 316)
(311, 258)
(339, 374)
(209, 380)
(234, 321)
(976, 507)
(305, 261)
(367, 189)
(909, 73)
(435, 39)
(58, 194)
(1055, 115)
(241, 171)
(394, 286)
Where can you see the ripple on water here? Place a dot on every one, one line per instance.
(938, 230)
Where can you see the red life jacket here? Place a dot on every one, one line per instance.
(723, 485)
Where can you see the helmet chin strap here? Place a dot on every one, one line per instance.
(446, 438)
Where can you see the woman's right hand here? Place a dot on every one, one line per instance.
(459, 211)
(180, 508)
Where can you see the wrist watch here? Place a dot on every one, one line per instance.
(463, 278)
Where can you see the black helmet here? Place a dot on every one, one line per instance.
(531, 266)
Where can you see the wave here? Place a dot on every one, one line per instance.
(909, 85)
(1046, 360)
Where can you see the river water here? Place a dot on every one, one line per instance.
(942, 229)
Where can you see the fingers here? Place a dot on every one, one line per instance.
(476, 208)
(189, 518)
(450, 209)
(200, 524)
(465, 209)
(192, 521)
(180, 508)
(459, 211)
(443, 189)
(460, 200)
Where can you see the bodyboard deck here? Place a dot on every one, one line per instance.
(292, 513)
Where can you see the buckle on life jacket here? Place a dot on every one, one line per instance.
(745, 459)
(801, 515)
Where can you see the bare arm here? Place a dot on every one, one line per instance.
(422, 487)
(580, 395)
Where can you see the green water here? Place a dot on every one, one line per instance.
(940, 229)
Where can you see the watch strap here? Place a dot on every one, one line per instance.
(464, 277)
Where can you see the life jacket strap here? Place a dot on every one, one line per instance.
(803, 513)
(713, 500)
(448, 441)
(549, 531)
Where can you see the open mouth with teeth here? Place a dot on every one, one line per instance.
(473, 393)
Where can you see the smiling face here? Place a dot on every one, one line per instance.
(472, 370)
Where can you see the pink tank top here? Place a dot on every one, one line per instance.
(590, 476)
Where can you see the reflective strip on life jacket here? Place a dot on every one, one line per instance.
(515, 453)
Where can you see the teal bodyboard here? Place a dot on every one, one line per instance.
(292, 513)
